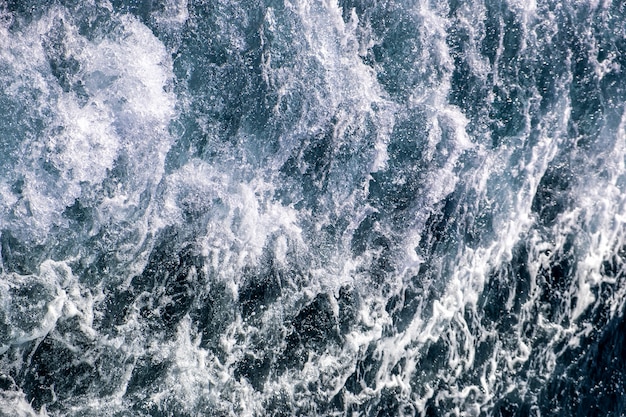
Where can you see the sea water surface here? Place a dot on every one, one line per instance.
(312, 208)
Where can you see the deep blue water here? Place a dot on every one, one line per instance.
(312, 207)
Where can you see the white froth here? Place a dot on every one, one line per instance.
(233, 212)
(53, 294)
(240, 221)
(15, 404)
(126, 114)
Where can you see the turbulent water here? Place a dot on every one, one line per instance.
(312, 207)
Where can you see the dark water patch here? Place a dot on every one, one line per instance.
(552, 197)
(20, 257)
(364, 375)
(315, 328)
(259, 291)
(255, 370)
(216, 310)
(145, 377)
(592, 384)
(57, 369)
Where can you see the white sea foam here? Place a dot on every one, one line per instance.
(122, 124)
(104, 144)
(238, 218)
(34, 304)
(15, 404)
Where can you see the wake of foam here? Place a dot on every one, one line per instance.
(310, 207)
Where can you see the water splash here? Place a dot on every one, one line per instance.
(312, 208)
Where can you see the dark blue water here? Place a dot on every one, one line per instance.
(311, 207)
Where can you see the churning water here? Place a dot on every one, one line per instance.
(312, 207)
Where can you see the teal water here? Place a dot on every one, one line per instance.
(353, 208)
